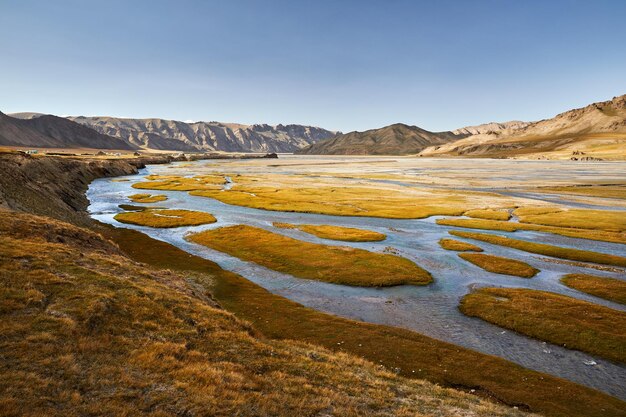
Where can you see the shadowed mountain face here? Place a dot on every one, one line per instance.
(599, 128)
(206, 136)
(49, 131)
(397, 139)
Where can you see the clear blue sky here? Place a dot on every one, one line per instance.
(345, 65)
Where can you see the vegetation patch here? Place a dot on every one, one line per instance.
(500, 265)
(596, 190)
(601, 235)
(489, 214)
(178, 183)
(544, 249)
(414, 355)
(346, 234)
(339, 265)
(147, 198)
(608, 288)
(612, 221)
(165, 218)
(555, 318)
(457, 245)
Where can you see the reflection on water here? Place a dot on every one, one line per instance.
(431, 310)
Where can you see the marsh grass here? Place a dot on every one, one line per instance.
(413, 355)
(146, 198)
(339, 265)
(500, 265)
(607, 220)
(165, 218)
(346, 234)
(612, 289)
(597, 190)
(457, 245)
(178, 183)
(600, 235)
(555, 318)
(488, 214)
(544, 249)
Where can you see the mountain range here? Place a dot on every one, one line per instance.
(172, 135)
(597, 130)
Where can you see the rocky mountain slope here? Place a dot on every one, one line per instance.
(49, 131)
(597, 129)
(206, 136)
(396, 139)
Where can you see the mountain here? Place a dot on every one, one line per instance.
(49, 131)
(598, 129)
(396, 139)
(206, 136)
(492, 127)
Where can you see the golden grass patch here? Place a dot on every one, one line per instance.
(489, 214)
(544, 249)
(500, 265)
(457, 245)
(178, 183)
(146, 198)
(612, 221)
(346, 234)
(603, 191)
(165, 218)
(555, 318)
(600, 235)
(612, 289)
(339, 265)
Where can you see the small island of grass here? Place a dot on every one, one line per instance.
(346, 234)
(500, 265)
(612, 289)
(165, 218)
(457, 245)
(147, 198)
(335, 264)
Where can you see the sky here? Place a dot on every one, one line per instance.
(342, 65)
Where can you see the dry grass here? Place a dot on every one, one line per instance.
(147, 198)
(457, 245)
(608, 288)
(178, 183)
(339, 265)
(555, 318)
(165, 218)
(601, 235)
(544, 249)
(500, 265)
(599, 190)
(611, 221)
(346, 234)
(414, 355)
(86, 331)
(489, 214)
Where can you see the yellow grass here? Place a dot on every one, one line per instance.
(555, 318)
(612, 221)
(165, 218)
(489, 214)
(147, 198)
(88, 332)
(608, 288)
(603, 191)
(347, 234)
(177, 183)
(601, 235)
(339, 265)
(544, 249)
(414, 355)
(500, 265)
(457, 245)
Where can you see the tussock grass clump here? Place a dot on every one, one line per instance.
(457, 245)
(346, 234)
(612, 221)
(544, 249)
(178, 183)
(86, 332)
(500, 265)
(554, 318)
(488, 214)
(147, 198)
(608, 288)
(339, 265)
(601, 235)
(165, 218)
